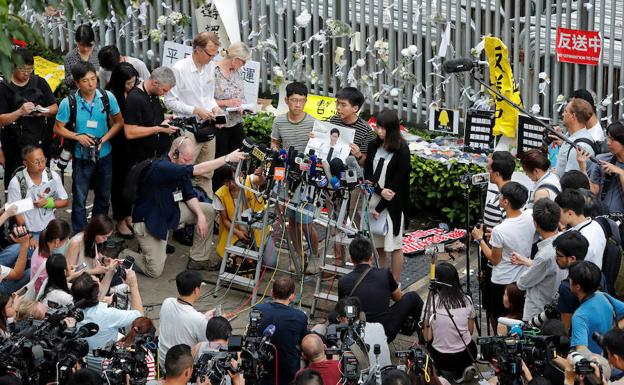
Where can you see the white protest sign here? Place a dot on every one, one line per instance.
(221, 18)
(172, 52)
(251, 77)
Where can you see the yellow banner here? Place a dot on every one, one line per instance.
(501, 77)
(321, 107)
(52, 72)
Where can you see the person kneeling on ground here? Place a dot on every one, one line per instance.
(375, 287)
(166, 199)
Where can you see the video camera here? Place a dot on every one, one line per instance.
(216, 365)
(416, 357)
(39, 352)
(128, 361)
(256, 354)
(203, 131)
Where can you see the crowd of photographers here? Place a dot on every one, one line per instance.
(551, 275)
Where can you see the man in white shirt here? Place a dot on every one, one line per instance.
(34, 180)
(109, 57)
(180, 323)
(572, 205)
(514, 234)
(193, 95)
(575, 117)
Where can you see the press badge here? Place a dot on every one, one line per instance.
(92, 123)
(177, 196)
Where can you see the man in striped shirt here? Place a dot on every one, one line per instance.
(500, 167)
(349, 101)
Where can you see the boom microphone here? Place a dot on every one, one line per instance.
(462, 64)
(352, 164)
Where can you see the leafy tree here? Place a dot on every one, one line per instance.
(12, 26)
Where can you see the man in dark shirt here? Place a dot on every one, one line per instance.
(291, 325)
(375, 287)
(147, 131)
(22, 122)
(166, 199)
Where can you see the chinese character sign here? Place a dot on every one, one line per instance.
(320, 107)
(172, 52)
(501, 78)
(578, 46)
(251, 77)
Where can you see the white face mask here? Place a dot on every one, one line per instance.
(61, 249)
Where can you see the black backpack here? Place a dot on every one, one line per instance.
(591, 143)
(134, 179)
(612, 266)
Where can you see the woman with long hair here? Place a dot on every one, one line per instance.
(387, 167)
(124, 78)
(56, 289)
(452, 348)
(86, 246)
(7, 313)
(513, 301)
(229, 95)
(53, 239)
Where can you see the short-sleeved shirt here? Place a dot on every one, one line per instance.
(363, 133)
(89, 112)
(614, 196)
(180, 323)
(292, 134)
(109, 320)
(156, 205)
(566, 158)
(72, 58)
(37, 219)
(328, 369)
(596, 314)
(291, 325)
(548, 182)
(568, 302)
(493, 214)
(592, 230)
(145, 111)
(597, 132)
(374, 291)
(230, 87)
(4, 271)
(513, 234)
(445, 337)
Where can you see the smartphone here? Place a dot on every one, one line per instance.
(80, 267)
(220, 119)
(21, 291)
(128, 262)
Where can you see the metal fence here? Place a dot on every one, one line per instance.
(528, 28)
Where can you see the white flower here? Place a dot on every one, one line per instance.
(162, 20)
(405, 52)
(535, 109)
(155, 35)
(394, 92)
(303, 19)
(543, 76)
(277, 71)
(560, 98)
(412, 49)
(174, 18)
(149, 54)
(360, 62)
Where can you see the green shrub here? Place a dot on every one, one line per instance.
(258, 127)
(435, 189)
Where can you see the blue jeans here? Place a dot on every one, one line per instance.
(8, 255)
(101, 172)
(7, 287)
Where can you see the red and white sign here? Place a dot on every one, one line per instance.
(578, 46)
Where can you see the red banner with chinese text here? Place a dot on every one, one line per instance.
(578, 46)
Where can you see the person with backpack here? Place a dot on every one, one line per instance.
(575, 117)
(536, 166)
(36, 181)
(164, 199)
(89, 118)
(572, 203)
(607, 177)
(27, 106)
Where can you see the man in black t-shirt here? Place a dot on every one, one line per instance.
(375, 288)
(147, 131)
(26, 103)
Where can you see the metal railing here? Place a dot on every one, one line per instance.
(528, 28)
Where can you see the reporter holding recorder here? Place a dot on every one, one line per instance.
(11, 279)
(165, 199)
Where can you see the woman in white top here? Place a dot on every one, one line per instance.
(86, 246)
(536, 166)
(56, 288)
(450, 339)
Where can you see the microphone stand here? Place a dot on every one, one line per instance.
(524, 111)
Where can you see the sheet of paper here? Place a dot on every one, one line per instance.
(23, 205)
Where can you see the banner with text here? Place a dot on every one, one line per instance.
(578, 46)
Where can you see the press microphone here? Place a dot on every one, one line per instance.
(461, 64)
(509, 322)
(327, 169)
(352, 164)
(87, 330)
(312, 170)
(336, 167)
(283, 155)
(267, 334)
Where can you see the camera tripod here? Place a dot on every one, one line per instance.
(430, 311)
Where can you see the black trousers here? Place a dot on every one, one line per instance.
(409, 305)
(453, 362)
(121, 166)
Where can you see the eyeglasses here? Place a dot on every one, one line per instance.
(297, 101)
(208, 53)
(39, 162)
(26, 70)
